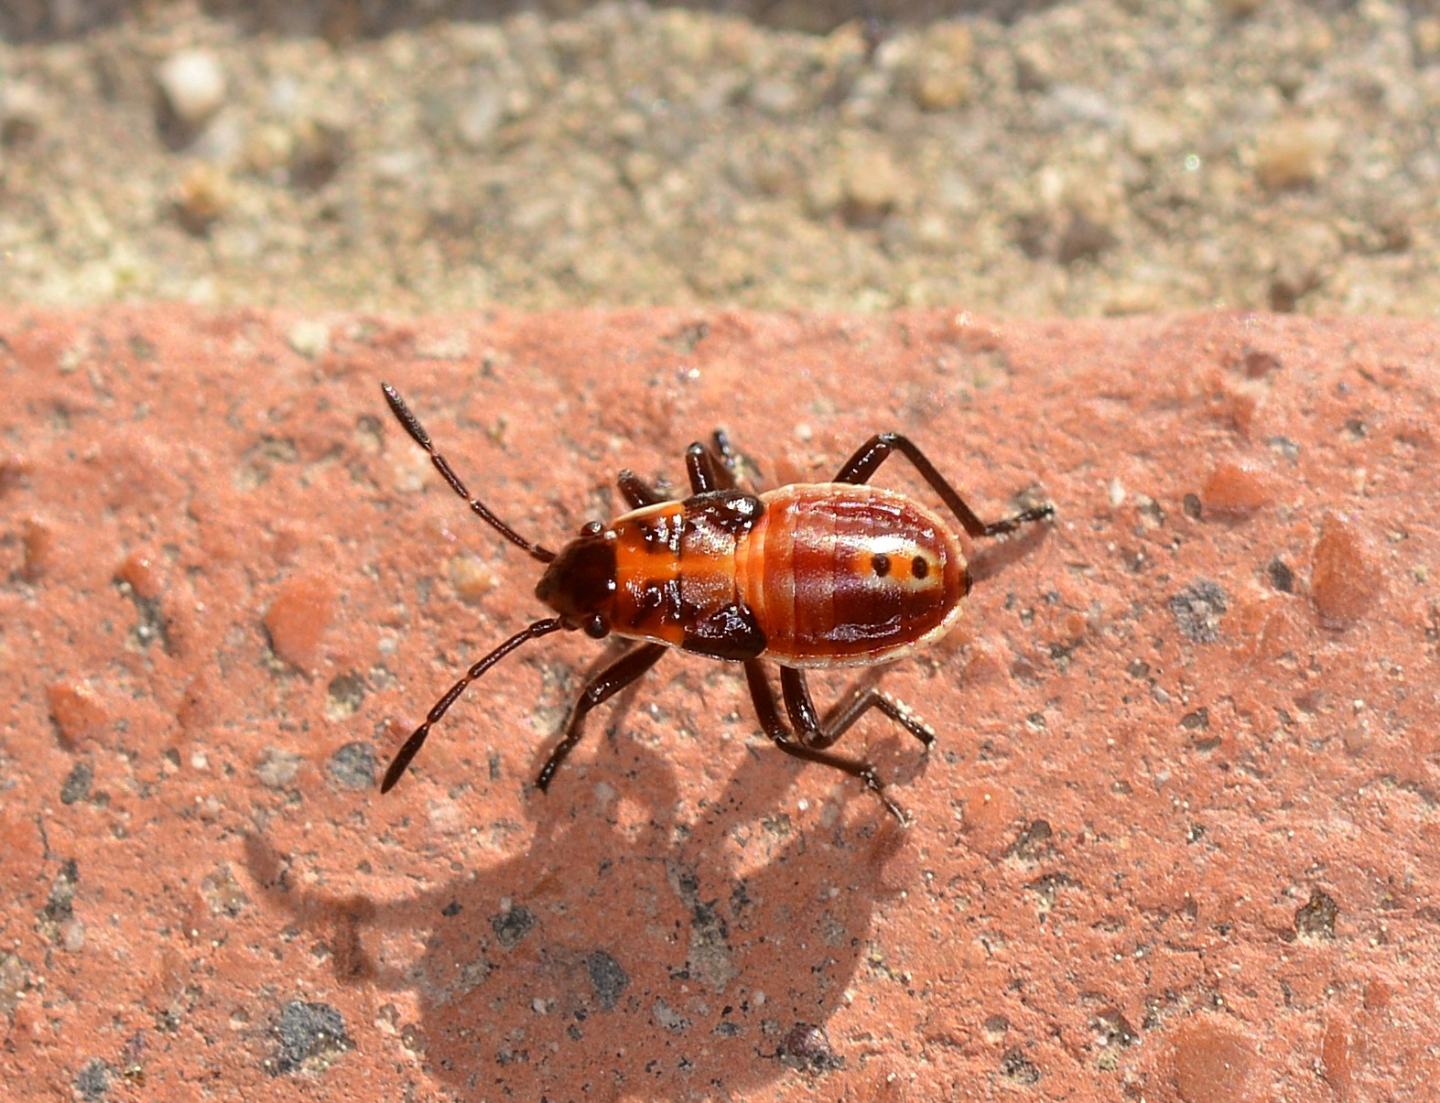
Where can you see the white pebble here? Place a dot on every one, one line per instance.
(193, 84)
(310, 337)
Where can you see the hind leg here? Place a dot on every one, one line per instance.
(822, 733)
(859, 467)
(770, 720)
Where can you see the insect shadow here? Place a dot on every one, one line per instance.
(641, 962)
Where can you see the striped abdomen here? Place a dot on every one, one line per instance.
(840, 574)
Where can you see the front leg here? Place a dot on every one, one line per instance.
(610, 681)
(636, 491)
(704, 475)
(718, 467)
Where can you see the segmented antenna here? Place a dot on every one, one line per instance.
(412, 745)
(422, 438)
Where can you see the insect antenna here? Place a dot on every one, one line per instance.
(412, 745)
(422, 438)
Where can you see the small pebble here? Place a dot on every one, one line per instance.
(22, 113)
(139, 571)
(278, 768)
(297, 619)
(872, 184)
(1345, 574)
(353, 766)
(472, 578)
(201, 197)
(1085, 237)
(1198, 610)
(1427, 36)
(1150, 133)
(1336, 1059)
(76, 712)
(480, 114)
(1258, 363)
(77, 783)
(942, 79)
(775, 96)
(1311, 250)
(344, 696)
(306, 1034)
(1236, 489)
(1294, 153)
(38, 541)
(193, 84)
(807, 1047)
(310, 337)
(92, 1082)
(317, 148)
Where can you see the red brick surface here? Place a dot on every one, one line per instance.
(1178, 839)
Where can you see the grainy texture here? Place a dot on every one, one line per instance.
(1176, 840)
(1076, 158)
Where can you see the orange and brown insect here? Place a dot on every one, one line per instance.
(807, 575)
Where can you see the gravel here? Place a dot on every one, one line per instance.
(1096, 157)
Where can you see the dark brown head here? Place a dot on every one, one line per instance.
(580, 582)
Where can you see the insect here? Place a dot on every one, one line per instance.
(806, 575)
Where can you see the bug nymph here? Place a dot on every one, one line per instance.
(805, 575)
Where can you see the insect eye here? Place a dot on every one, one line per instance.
(592, 528)
(596, 628)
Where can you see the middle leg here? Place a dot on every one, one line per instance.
(818, 733)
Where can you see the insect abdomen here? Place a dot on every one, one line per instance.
(839, 574)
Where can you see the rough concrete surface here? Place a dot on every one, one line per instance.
(1177, 840)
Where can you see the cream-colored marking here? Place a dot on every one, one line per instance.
(901, 553)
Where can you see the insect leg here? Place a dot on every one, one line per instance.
(769, 715)
(737, 463)
(718, 467)
(636, 491)
(859, 467)
(700, 466)
(602, 687)
(818, 733)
